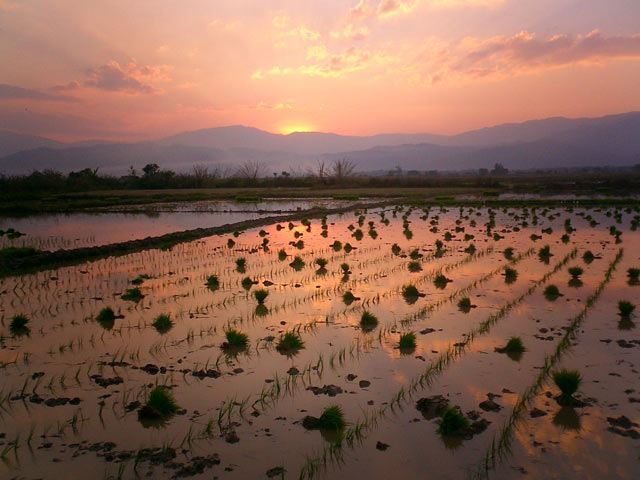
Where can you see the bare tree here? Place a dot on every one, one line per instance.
(201, 175)
(251, 170)
(343, 168)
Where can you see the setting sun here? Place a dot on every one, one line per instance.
(287, 129)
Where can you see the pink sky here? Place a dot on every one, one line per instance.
(131, 70)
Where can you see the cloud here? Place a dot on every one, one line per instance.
(524, 52)
(11, 92)
(466, 3)
(352, 33)
(304, 33)
(360, 11)
(261, 105)
(67, 87)
(388, 8)
(327, 65)
(112, 77)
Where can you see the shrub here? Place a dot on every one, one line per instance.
(261, 295)
(408, 341)
(162, 323)
(568, 381)
(106, 318)
(625, 308)
(453, 421)
(133, 295)
(290, 342)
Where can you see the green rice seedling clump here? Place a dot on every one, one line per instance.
(453, 421)
(160, 404)
(235, 339)
(407, 341)
(106, 318)
(290, 342)
(625, 308)
(133, 295)
(162, 323)
(568, 381)
(261, 295)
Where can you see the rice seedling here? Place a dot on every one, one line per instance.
(332, 419)
(261, 296)
(347, 247)
(159, 406)
(575, 271)
(213, 283)
(452, 422)
(568, 381)
(18, 326)
(551, 293)
(410, 293)
(544, 254)
(633, 274)
(464, 305)
(625, 308)
(510, 275)
(588, 257)
(162, 323)
(440, 281)
(282, 254)
(514, 348)
(414, 254)
(231, 243)
(297, 263)
(346, 270)
(395, 249)
(290, 343)
(235, 340)
(368, 321)
(133, 295)
(241, 264)
(414, 266)
(106, 318)
(407, 342)
(321, 263)
(247, 283)
(508, 253)
(348, 297)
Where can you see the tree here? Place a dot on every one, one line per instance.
(151, 169)
(343, 168)
(251, 170)
(498, 169)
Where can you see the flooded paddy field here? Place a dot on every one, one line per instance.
(225, 357)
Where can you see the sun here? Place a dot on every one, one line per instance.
(287, 129)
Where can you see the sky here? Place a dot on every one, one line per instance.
(142, 69)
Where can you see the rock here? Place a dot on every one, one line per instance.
(364, 383)
(621, 421)
(276, 472)
(331, 390)
(106, 382)
(381, 446)
(427, 331)
(209, 373)
(490, 406)
(150, 368)
(432, 407)
(351, 377)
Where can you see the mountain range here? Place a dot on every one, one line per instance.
(612, 140)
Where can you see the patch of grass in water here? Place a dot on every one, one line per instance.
(568, 381)
(441, 281)
(588, 257)
(160, 405)
(625, 308)
(510, 274)
(246, 283)
(414, 266)
(453, 421)
(464, 305)
(575, 271)
(133, 295)
(282, 254)
(241, 264)
(348, 297)
(551, 293)
(213, 283)
(407, 341)
(514, 348)
(633, 274)
(297, 263)
(162, 323)
(508, 253)
(235, 340)
(18, 326)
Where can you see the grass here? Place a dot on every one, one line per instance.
(235, 340)
(213, 283)
(625, 308)
(160, 405)
(162, 323)
(453, 421)
(246, 283)
(395, 249)
(410, 293)
(133, 295)
(368, 321)
(414, 266)
(261, 296)
(290, 342)
(332, 419)
(568, 381)
(588, 257)
(544, 253)
(514, 348)
(282, 254)
(634, 275)
(139, 280)
(551, 292)
(414, 254)
(106, 318)
(508, 253)
(407, 341)
(510, 274)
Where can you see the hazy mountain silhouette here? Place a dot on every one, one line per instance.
(552, 142)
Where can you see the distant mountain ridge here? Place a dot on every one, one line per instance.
(551, 142)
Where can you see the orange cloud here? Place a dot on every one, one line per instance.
(388, 8)
(131, 79)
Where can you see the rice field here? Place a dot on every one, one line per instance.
(404, 342)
